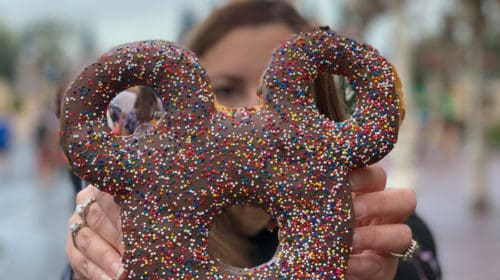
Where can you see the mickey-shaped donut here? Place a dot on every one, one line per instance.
(285, 157)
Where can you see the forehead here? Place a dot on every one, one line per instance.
(246, 48)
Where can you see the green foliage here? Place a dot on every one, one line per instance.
(8, 52)
(46, 41)
(493, 135)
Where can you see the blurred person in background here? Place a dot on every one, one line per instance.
(50, 157)
(118, 110)
(5, 135)
(145, 105)
(5, 127)
(234, 45)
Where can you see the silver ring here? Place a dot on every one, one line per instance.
(408, 254)
(75, 229)
(83, 209)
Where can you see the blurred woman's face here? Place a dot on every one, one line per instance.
(236, 62)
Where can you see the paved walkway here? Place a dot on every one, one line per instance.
(32, 219)
(468, 242)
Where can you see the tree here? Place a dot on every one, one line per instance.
(8, 52)
(47, 42)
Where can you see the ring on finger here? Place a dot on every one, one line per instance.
(83, 209)
(75, 229)
(408, 254)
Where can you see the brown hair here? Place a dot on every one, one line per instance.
(227, 236)
(145, 104)
(258, 12)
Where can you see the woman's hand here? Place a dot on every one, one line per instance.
(98, 244)
(379, 229)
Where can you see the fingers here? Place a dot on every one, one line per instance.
(83, 267)
(394, 238)
(103, 227)
(95, 255)
(109, 207)
(391, 206)
(85, 194)
(371, 266)
(378, 230)
(99, 252)
(104, 216)
(368, 179)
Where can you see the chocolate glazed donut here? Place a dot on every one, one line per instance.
(285, 157)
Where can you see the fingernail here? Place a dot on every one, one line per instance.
(118, 269)
(359, 209)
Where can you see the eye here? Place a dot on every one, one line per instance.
(229, 93)
(225, 91)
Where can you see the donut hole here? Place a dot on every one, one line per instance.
(133, 110)
(337, 104)
(242, 238)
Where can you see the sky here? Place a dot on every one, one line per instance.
(113, 22)
(116, 22)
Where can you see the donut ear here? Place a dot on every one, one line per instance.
(173, 73)
(369, 134)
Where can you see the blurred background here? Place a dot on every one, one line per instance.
(447, 53)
